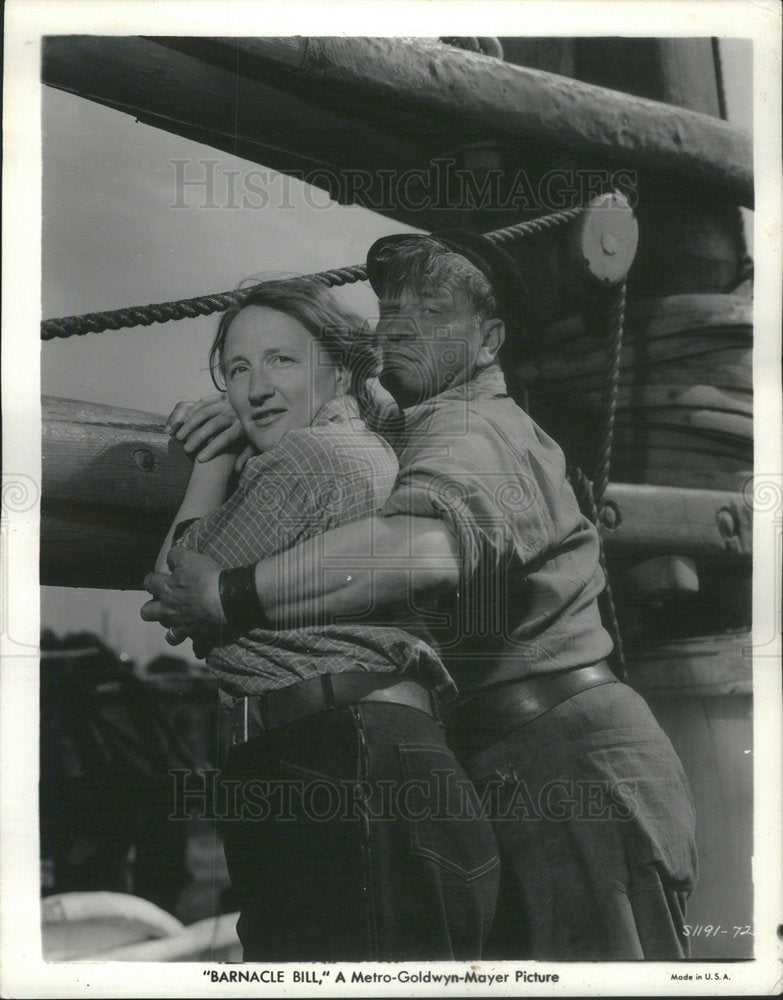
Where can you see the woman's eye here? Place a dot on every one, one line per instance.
(236, 370)
(282, 359)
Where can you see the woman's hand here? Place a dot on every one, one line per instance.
(207, 428)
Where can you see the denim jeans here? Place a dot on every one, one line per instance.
(350, 843)
(595, 823)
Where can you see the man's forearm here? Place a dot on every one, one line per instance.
(379, 565)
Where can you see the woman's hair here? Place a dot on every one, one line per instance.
(309, 301)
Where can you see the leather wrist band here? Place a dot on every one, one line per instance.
(239, 598)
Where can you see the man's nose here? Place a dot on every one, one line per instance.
(396, 328)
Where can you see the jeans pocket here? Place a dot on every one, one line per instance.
(650, 803)
(436, 803)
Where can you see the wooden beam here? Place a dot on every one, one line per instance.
(423, 76)
(105, 456)
(112, 481)
(360, 104)
(710, 666)
(653, 520)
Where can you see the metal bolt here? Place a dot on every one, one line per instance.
(610, 515)
(727, 522)
(144, 459)
(609, 243)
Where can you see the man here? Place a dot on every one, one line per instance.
(591, 809)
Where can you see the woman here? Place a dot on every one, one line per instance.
(351, 833)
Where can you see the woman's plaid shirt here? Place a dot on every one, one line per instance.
(331, 473)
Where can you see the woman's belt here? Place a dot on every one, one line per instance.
(252, 716)
(489, 715)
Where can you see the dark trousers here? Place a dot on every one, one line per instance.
(351, 841)
(595, 823)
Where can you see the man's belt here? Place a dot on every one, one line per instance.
(487, 716)
(252, 716)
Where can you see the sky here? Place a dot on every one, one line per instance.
(113, 237)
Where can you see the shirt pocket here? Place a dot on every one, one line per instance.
(437, 803)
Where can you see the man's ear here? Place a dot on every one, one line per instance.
(493, 333)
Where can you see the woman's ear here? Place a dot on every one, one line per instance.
(493, 333)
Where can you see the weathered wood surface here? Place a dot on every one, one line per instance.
(657, 331)
(684, 406)
(111, 457)
(658, 519)
(516, 100)
(696, 398)
(706, 313)
(701, 365)
(700, 690)
(379, 102)
(705, 667)
(694, 464)
(112, 481)
(676, 70)
(664, 575)
(653, 358)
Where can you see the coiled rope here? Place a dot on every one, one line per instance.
(206, 305)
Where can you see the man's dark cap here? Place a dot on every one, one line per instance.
(495, 264)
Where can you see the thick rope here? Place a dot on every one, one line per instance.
(585, 496)
(164, 312)
(719, 78)
(614, 344)
(206, 305)
(590, 494)
(597, 489)
(532, 227)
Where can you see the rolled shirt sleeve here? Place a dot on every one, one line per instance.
(486, 491)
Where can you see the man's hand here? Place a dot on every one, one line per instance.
(187, 600)
(208, 428)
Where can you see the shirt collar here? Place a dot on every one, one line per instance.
(340, 410)
(485, 384)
